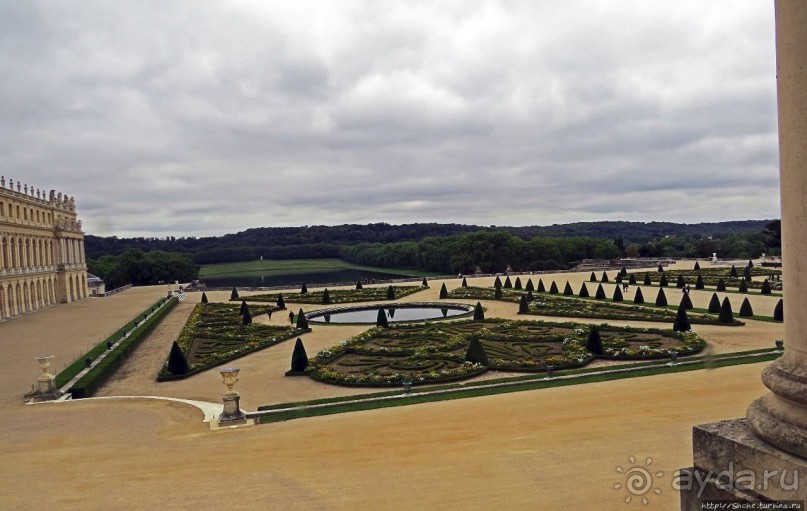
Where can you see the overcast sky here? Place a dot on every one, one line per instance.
(193, 118)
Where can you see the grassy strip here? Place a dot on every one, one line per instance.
(486, 391)
(70, 372)
(95, 377)
(297, 266)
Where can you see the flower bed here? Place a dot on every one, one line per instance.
(434, 353)
(214, 334)
(336, 296)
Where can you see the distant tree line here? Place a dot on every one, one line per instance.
(140, 268)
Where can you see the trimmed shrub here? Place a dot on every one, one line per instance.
(750, 264)
(623, 272)
(529, 286)
(479, 312)
(745, 309)
(618, 278)
(680, 282)
(594, 343)
(733, 271)
(541, 288)
(726, 314)
(359, 287)
(553, 289)
(714, 304)
(647, 281)
(444, 291)
(779, 311)
(281, 303)
(632, 279)
(681, 323)
(567, 290)
(390, 292)
(234, 294)
(517, 284)
(425, 283)
(476, 352)
(523, 305)
(743, 287)
(497, 293)
(766, 288)
(661, 298)
(604, 277)
(600, 293)
(497, 282)
(299, 358)
(660, 268)
(243, 307)
(686, 302)
(204, 298)
(381, 318)
(246, 317)
(583, 291)
(747, 274)
(303, 289)
(639, 298)
(618, 294)
(697, 266)
(507, 283)
(177, 363)
(721, 285)
(663, 281)
(699, 282)
(464, 282)
(592, 278)
(529, 296)
(302, 321)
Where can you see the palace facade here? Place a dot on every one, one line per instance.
(41, 250)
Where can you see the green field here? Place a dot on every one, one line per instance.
(294, 266)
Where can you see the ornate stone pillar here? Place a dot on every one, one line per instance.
(780, 417)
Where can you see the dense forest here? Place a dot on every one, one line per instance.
(448, 248)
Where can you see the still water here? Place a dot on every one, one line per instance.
(370, 315)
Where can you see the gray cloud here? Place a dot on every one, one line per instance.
(198, 118)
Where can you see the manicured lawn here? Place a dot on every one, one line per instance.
(270, 267)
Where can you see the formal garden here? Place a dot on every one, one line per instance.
(438, 353)
(330, 297)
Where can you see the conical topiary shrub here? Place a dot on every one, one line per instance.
(604, 277)
(697, 266)
(390, 292)
(302, 321)
(714, 304)
(479, 312)
(750, 264)
(299, 359)
(553, 289)
(726, 314)
(743, 287)
(747, 274)
(303, 289)
(541, 288)
(497, 293)
(204, 297)
(507, 283)
(663, 281)
(381, 318)
(618, 294)
(766, 288)
(177, 363)
(567, 290)
(618, 278)
(721, 285)
(681, 323)
(660, 268)
(443, 291)
(623, 272)
(583, 291)
(464, 282)
(594, 342)
(600, 293)
(699, 282)
(632, 279)
(686, 302)
(661, 298)
(733, 271)
(234, 294)
(517, 284)
(326, 297)
(246, 317)
(243, 308)
(424, 283)
(745, 309)
(680, 282)
(476, 352)
(647, 281)
(592, 278)
(523, 305)
(281, 303)
(779, 311)
(359, 286)
(529, 286)
(529, 296)
(639, 297)
(497, 282)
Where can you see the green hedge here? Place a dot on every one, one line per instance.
(90, 382)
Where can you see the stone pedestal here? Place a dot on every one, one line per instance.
(732, 463)
(232, 413)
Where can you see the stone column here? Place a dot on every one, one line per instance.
(780, 417)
